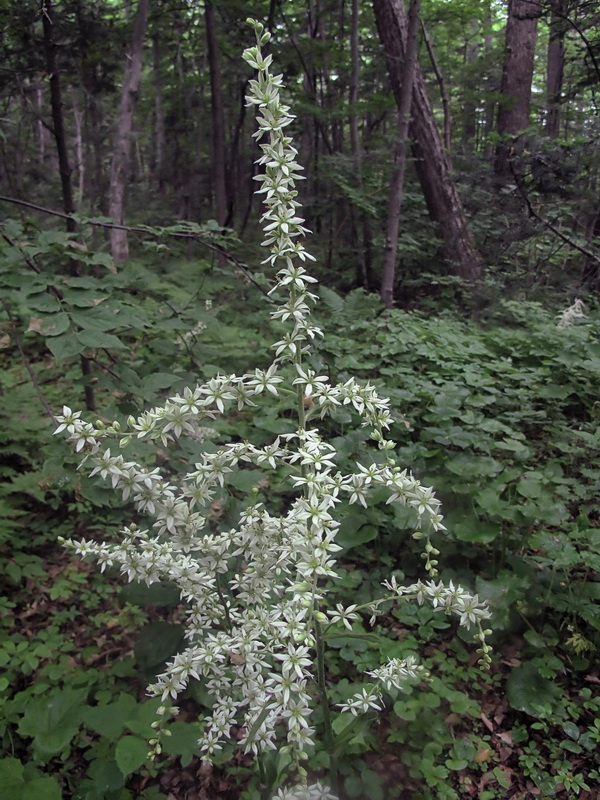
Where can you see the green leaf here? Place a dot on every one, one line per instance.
(456, 763)
(109, 720)
(161, 593)
(182, 741)
(52, 722)
(244, 480)
(156, 643)
(531, 485)
(473, 467)
(535, 639)
(97, 338)
(527, 691)
(64, 346)
(353, 530)
(472, 529)
(571, 730)
(106, 775)
(11, 776)
(44, 788)
(130, 753)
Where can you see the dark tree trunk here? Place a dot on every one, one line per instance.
(431, 161)
(160, 136)
(397, 187)
(58, 120)
(360, 218)
(556, 64)
(217, 117)
(58, 123)
(517, 75)
(122, 142)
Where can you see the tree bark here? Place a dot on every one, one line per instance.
(56, 103)
(517, 75)
(218, 119)
(397, 187)
(442, 86)
(122, 141)
(58, 123)
(432, 163)
(556, 64)
(159, 138)
(363, 250)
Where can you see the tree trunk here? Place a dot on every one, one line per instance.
(58, 123)
(397, 187)
(80, 161)
(517, 75)
(556, 64)
(362, 249)
(58, 120)
(471, 89)
(217, 118)
(442, 87)
(122, 143)
(432, 163)
(159, 138)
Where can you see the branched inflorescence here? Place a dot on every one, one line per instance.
(256, 593)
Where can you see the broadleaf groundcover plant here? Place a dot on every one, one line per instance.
(256, 593)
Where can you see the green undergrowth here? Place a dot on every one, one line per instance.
(502, 419)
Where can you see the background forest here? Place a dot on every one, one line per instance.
(451, 163)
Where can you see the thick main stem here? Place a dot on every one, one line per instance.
(323, 696)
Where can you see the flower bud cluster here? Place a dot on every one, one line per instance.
(255, 592)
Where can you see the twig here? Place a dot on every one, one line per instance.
(442, 87)
(550, 225)
(141, 229)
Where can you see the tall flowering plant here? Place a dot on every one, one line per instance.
(256, 593)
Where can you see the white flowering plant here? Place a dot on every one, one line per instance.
(256, 593)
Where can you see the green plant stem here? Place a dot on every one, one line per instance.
(223, 602)
(324, 700)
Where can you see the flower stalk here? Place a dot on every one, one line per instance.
(256, 591)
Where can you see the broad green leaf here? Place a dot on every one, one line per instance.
(456, 763)
(472, 529)
(11, 775)
(97, 338)
(182, 741)
(52, 722)
(161, 593)
(156, 643)
(130, 753)
(52, 325)
(527, 691)
(531, 485)
(244, 480)
(109, 720)
(44, 788)
(106, 775)
(64, 346)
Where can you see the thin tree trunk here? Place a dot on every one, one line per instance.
(80, 161)
(442, 87)
(159, 116)
(58, 123)
(122, 143)
(470, 90)
(217, 118)
(363, 251)
(556, 64)
(517, 75)
(432, 163)
(56, 103)
(397, 187)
